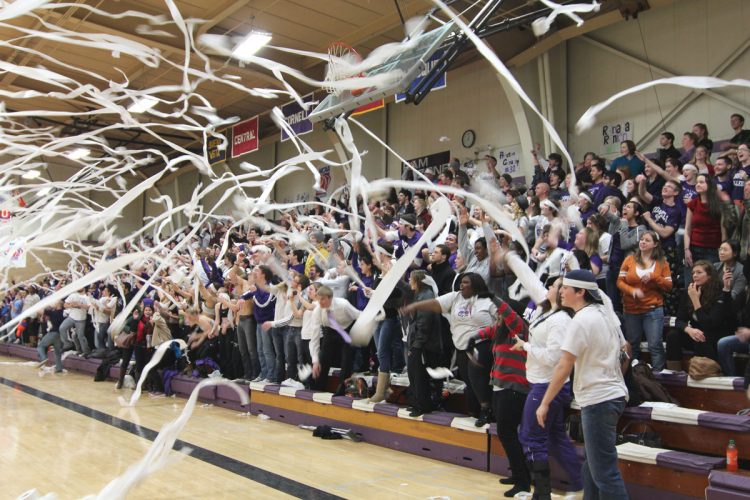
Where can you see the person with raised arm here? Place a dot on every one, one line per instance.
(593, 344)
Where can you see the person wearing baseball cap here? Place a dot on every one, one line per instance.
(594, 344)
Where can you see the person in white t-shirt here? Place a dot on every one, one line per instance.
(104, 308)
(470, 310)
(77, 306)
(593, 343)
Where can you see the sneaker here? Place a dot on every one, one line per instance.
(485, 417)
(416, 412)
(257, 379)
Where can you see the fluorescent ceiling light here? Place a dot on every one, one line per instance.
(31, 174)
(142, 105)
(251, 44)
(79, 153)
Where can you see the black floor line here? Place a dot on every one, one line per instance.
(264, 477)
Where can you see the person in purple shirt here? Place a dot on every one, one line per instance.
(408, 236)
(742, 174)
(264, 305)
(297, 261)
(585, 206)
(723, 175)
(689, 143)
(597, 178)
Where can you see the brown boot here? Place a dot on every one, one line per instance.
(384, 383)
(675, 366)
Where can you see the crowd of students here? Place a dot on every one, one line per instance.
(654, 243)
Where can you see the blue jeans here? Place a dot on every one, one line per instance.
(248, 349)
(267, 354)
(277, 336)
(80, 339)
(103, 339)
(652, 325)
(53, 339)
(727, 347)
(601, 476)
(388, 330)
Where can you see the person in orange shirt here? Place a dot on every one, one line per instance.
(644, 278)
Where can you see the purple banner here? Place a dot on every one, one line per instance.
(296, 117)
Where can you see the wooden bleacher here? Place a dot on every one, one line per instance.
(452, 436)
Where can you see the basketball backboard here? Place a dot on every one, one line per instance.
(411, 62)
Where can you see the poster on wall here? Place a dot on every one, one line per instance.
(296, 117)
(245, 137)
(216, 150)
(613, 134)
(509, 160)
(440, 83)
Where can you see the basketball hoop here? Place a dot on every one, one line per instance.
(339, 56)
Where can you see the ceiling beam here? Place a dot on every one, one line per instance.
(364, 33)
(167, 49)
(592, 24)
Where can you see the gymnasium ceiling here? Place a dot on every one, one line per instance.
(309, 25)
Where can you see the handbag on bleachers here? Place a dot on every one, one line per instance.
(647, 437)
(702, 367)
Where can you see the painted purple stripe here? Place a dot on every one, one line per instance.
(305, 394)
(4, 348)
(272, 388)
(386, 409)
(342, 401)
(715, 420)
(739, 384)
(638, 412)
(184, 386)
(226, 393)
(689, 462)
(729, 481)
(22, 351)
(441, 417)
(467, 457)
(671, 378)
(232, 405)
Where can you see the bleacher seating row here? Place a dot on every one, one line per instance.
(452, 437)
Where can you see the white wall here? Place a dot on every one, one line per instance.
(473, 99)
(690, 37)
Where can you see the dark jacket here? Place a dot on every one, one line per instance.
(424, 330)
(443, 274)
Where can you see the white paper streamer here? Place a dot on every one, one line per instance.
(364, 328)
(155, 359)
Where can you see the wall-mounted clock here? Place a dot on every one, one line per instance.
(468, 138)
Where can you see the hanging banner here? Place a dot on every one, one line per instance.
(216, 150)
(245, 137)
(325, 183)
(366, 108)
(440, 83)
(13, 254)
(296, 117)
(435, 160)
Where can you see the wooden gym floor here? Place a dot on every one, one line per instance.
(69, 435)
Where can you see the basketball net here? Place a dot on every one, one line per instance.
(341, 57)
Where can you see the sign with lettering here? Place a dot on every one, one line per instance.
(440, 83)
(613, 134)
(296, 117)
(216, 148)
(434, 160)
(508, 159)
(245, 137)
